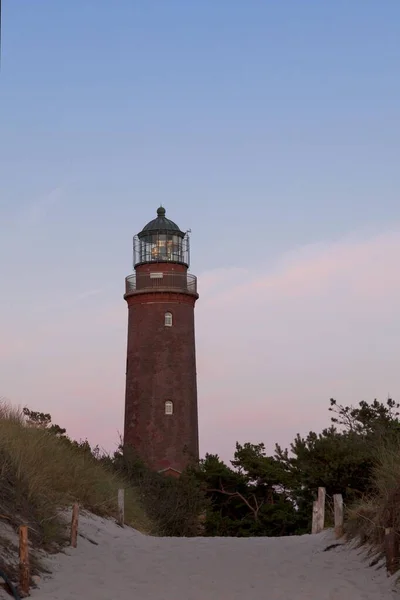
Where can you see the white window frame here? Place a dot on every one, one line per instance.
(168, 319)
(169, 407)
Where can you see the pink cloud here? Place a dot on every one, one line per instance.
(282, 341)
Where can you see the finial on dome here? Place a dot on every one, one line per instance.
(161, 211)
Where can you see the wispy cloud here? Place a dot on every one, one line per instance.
(88, 294)
(33, 214)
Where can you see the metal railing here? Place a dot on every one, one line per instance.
(143, 282)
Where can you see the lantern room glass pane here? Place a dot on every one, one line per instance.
(162, 247)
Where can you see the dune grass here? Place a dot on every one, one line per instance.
(42, 474)
(368, 518)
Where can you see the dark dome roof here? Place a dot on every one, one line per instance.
(161, 225)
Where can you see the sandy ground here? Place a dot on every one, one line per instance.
(123, 564)
(111, 563)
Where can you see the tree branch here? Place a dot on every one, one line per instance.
(255, 510)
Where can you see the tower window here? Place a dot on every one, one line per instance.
(169, 407)
(168, 319)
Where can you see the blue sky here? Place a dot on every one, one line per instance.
(271, 129)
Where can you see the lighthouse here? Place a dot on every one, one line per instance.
(161, 416)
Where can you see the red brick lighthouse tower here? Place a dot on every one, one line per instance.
(161, 421)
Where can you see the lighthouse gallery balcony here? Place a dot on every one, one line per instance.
(148, 282)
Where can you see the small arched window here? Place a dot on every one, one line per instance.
(168, 319)
(169, 407)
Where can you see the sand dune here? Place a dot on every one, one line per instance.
(122, 564)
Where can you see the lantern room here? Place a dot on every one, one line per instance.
(161, 240)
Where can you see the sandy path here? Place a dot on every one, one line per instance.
(126, 565)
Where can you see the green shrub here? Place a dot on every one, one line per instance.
(368, 518)
(174, 505)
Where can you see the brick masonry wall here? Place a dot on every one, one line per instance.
(161, 366)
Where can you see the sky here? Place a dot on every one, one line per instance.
(272, 131)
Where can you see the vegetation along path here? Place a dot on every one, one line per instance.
(112, 563)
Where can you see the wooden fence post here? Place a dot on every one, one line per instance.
(391, 551)
(338, 510)
(121, 507)
(314, 526)
(24, 574)
(320, 511)
(74, 525)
